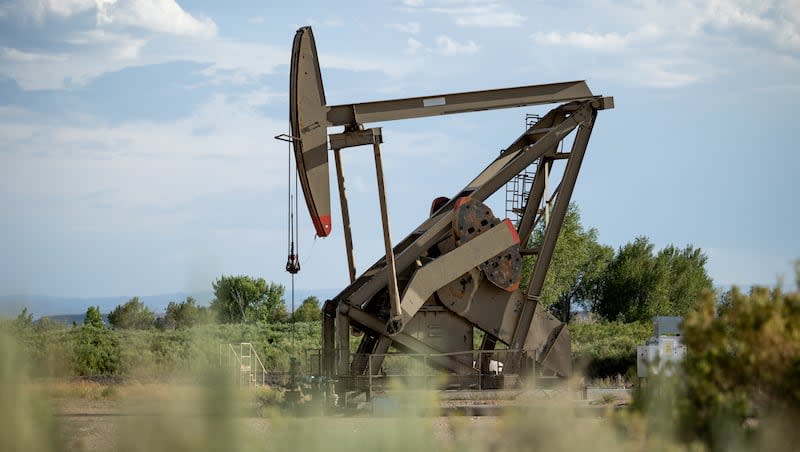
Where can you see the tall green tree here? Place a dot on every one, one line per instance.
(309, 311)
(93, 317)
(576, 268)
(687, 277)
(132, 315)
(242, 299)
(640, 283)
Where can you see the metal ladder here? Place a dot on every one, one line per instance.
(246, 362)
(518, 188)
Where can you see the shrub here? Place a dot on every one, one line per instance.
(742, 361)
(606, 349)
(95, 351)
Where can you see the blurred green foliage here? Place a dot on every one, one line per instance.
(56, 350)
(742, 361)
(736, 389)
(607, 349)
(601, 349)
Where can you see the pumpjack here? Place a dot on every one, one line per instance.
(460, 270)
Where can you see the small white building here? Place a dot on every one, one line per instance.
(661, 350)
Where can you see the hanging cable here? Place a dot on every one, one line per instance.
(292, 260)
(292, 231)
(296, 216)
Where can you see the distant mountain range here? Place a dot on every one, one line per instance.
(69, 307)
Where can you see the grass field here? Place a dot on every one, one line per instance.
(735, 390)
(92, 416)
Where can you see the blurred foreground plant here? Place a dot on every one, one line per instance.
(26, 422)
(742, 364)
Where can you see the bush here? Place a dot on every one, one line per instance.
(95, 351)
(606, 349)
(742, 361)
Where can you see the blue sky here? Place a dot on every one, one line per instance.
(137, 154)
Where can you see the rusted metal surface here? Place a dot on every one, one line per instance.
(450, 266)
(474, 218)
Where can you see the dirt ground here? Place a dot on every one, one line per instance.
(90, 425)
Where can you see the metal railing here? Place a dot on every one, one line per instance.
(246, 363)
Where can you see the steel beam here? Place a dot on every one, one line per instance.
(395, 320)
(549, 240)
(442, 104)
(328, 343)
(342, 339)
(527, 223)
(348, 235)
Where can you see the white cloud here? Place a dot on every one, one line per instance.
(264, 96)
(657, 73)
(593, 41)
(15, 55)
(746, 14)
(488, 15)
(219, 148)
(447, 46)
(392, 66)
(126, 33)
(409, 27)
(100, 52)
(160, 16)
(62, 8)
(681, 43)
(605, 42)
(241, 60)
(414, 3)
(413, 46)
(163, 16)
(119, 41)
(776, 21)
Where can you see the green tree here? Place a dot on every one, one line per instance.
(687, 277)
(639, 284)
(93, 317)
(576, 268)
(183, 315)
(95, 350)
(242, 299)
(132, 315)
(309, 311)
(24, 320)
